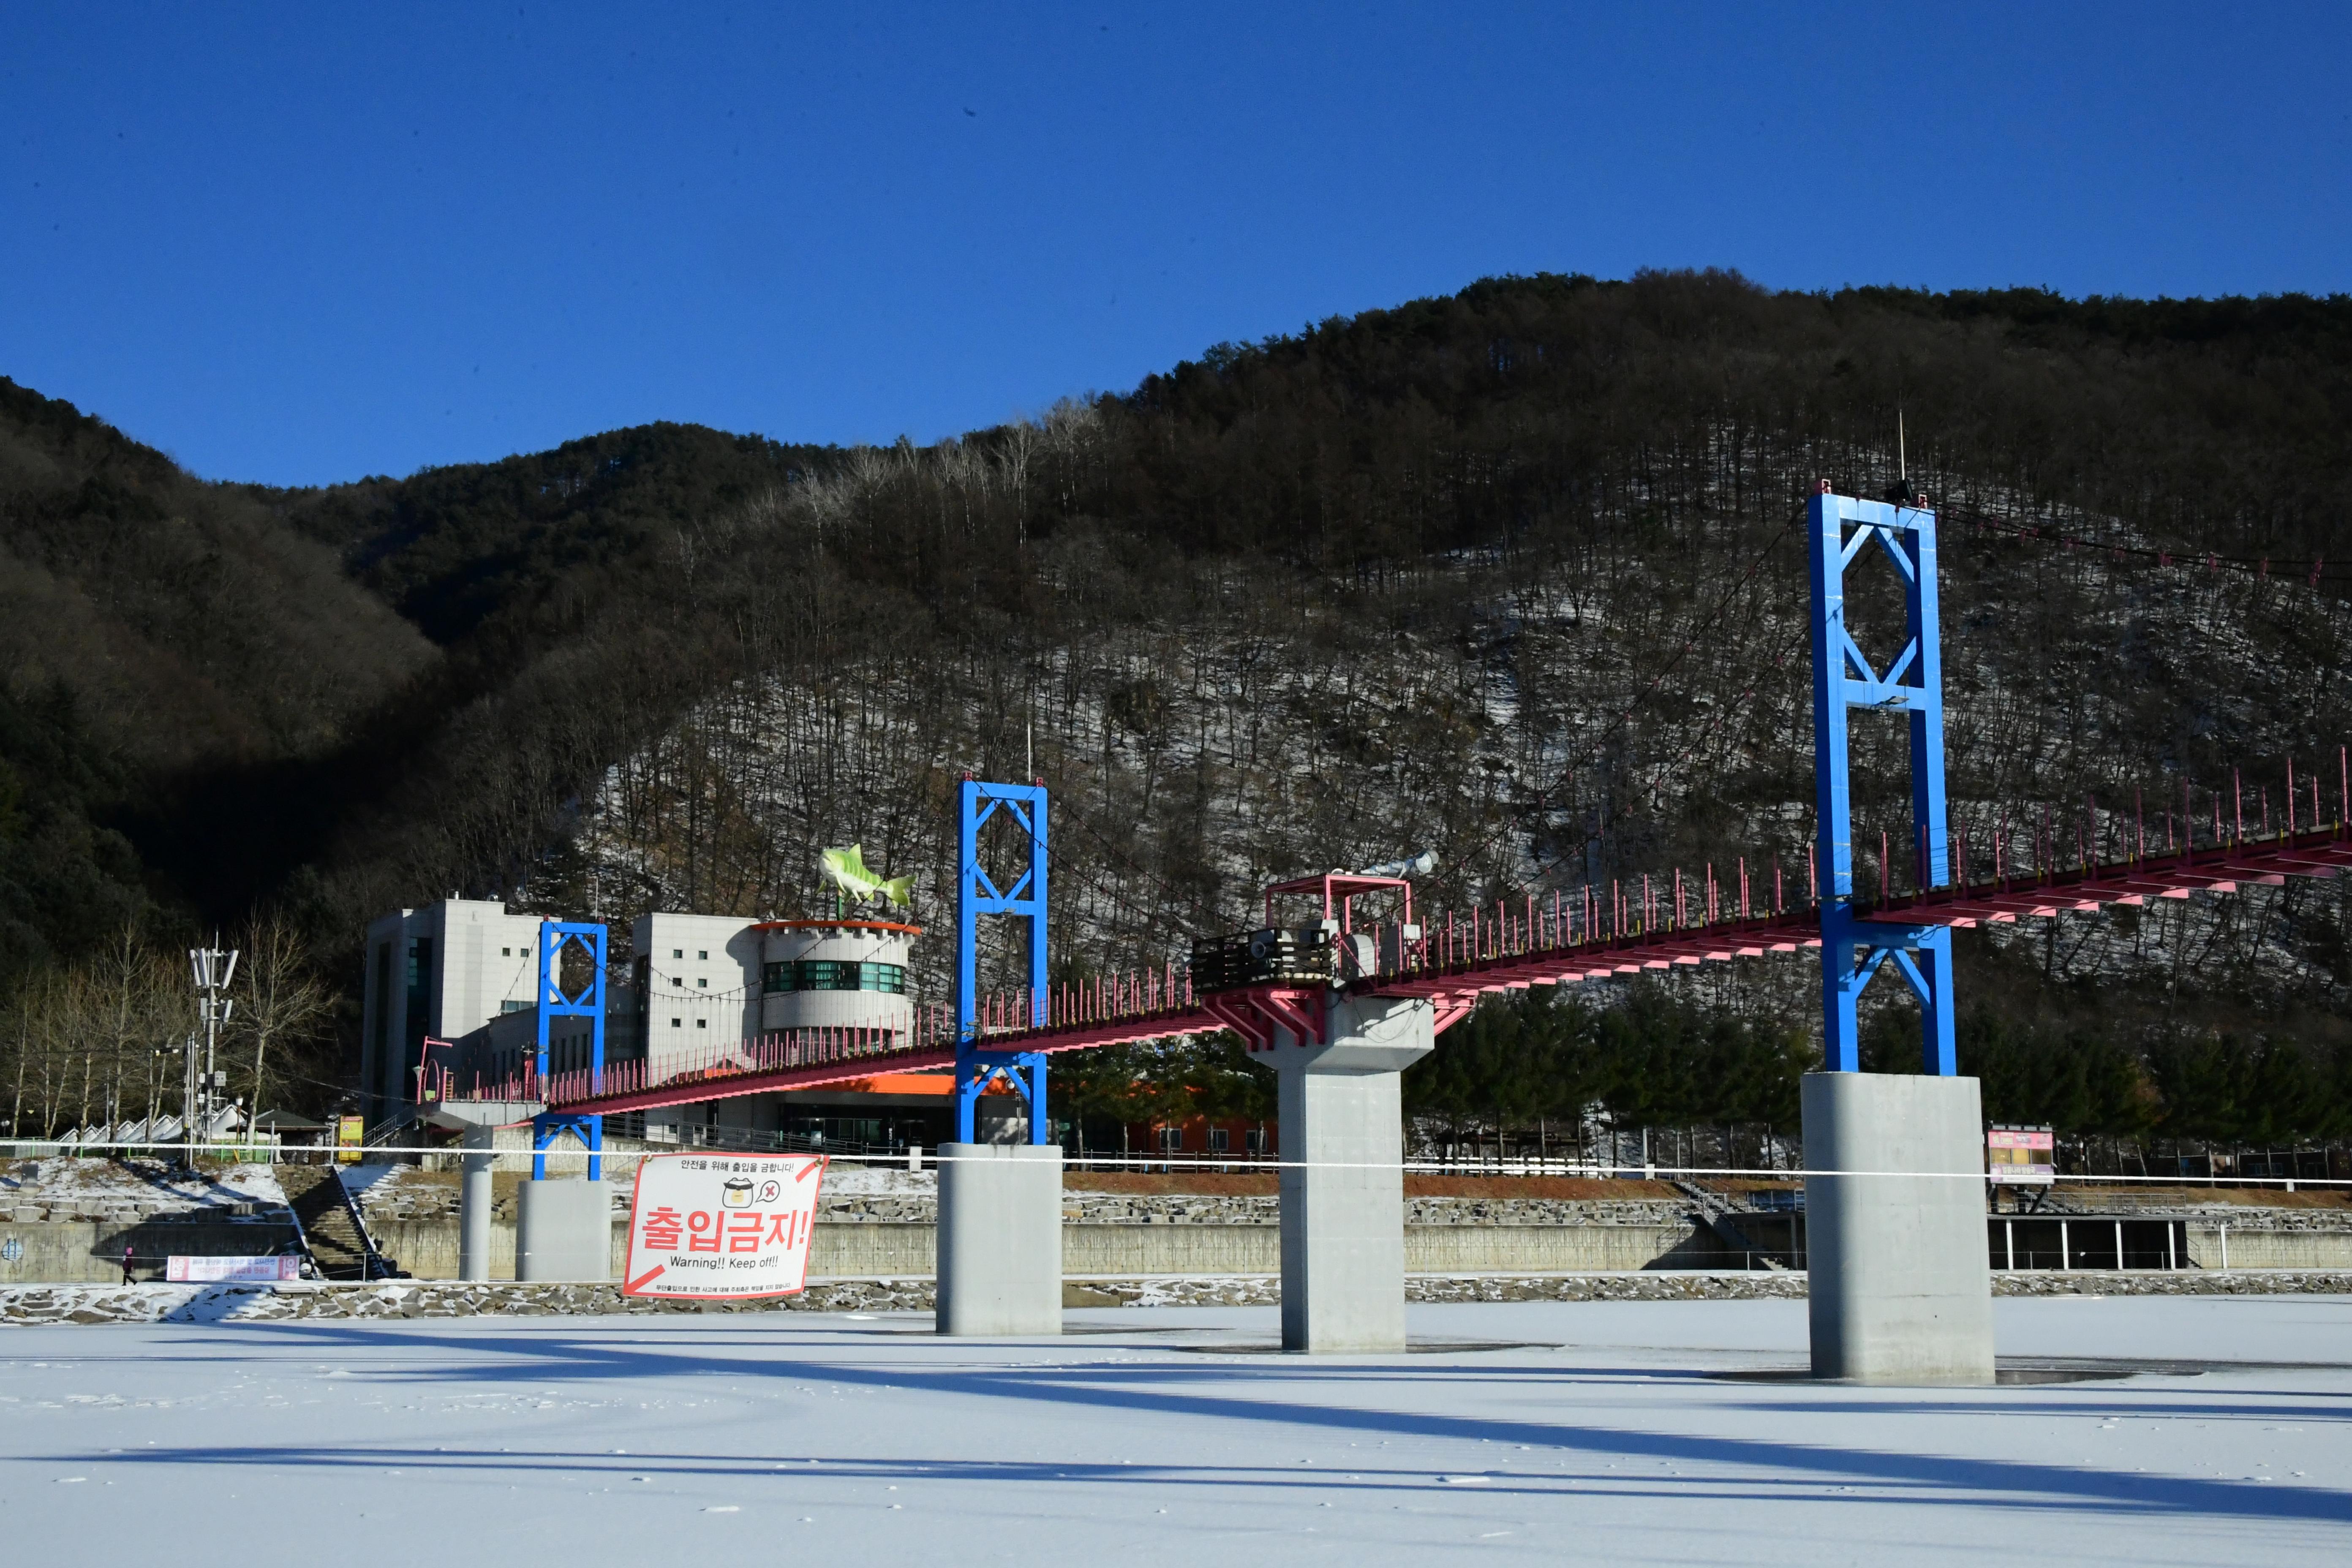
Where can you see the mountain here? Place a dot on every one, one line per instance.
(1512, 574)
(158, 631)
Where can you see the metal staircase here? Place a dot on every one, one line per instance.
(1717, 1215)
(332, 1231)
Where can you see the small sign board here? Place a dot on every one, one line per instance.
(2021, 1156)
(181, 1270)
(722, 1225)
(350, 1136)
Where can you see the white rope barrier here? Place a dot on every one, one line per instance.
(1208, 1166)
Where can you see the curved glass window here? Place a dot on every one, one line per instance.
(831, 974)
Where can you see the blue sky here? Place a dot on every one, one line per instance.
(306, 248)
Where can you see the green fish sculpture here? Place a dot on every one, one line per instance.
(847, 870)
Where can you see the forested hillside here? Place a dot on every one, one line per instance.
(1511, 575)
(158, 634)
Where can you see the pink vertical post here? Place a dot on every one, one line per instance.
(2290, 794)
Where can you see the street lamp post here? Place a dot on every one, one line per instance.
(213, 968)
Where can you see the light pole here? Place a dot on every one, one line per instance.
(212, 968)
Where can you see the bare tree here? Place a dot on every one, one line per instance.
(129, 1000)
(283, 1003)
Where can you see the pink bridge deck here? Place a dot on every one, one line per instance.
(1500, 949)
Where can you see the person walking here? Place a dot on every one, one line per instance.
(126, 1264)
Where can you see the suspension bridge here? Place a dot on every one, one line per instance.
(1651, 923)
(1340, 1006)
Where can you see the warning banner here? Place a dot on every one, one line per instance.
(722, 1225)
(179, 1269)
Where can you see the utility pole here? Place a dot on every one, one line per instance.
(213, 968)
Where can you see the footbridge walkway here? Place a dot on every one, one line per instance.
(1604, 933)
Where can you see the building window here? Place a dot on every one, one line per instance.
(677, 952)
(1171, 1138)
(679, 982)
(678, 1022)
(1254, 1141)
(702, 984)
(1219, 1139)
(703, 953)
(514, 1006)
(506, 952)
(702, 1022)
(826, 975)
(419, 976)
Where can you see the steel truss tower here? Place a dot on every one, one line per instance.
(976, 895)
(1852, 949)
(554, 1002)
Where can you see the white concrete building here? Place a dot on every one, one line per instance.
(698, 988)
(444, 970)
(697, 985)
(835, 974)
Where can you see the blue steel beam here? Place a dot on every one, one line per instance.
(977, 894)
(1852, 950)
(554, 1002)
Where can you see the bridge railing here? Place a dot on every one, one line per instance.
(715, 1061)
(1632, 922)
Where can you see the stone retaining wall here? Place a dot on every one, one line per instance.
(873, 1248)
(92, 1251)
(28, 1305)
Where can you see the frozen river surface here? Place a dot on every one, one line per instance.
(1540, 1431)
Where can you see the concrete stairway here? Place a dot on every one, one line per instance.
(1717, 1215)
(337, 1243)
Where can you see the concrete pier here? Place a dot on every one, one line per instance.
(1000, 1239)
(563, 1230)
(479, 1120)
(1901, 1280)
(474, 1202)
(1343, 1199)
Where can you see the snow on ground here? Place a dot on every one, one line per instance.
(844, 1179)
(66, 1179)
(1580, 1432)
(388, 1176)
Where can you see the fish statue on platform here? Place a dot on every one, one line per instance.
(847, 870)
